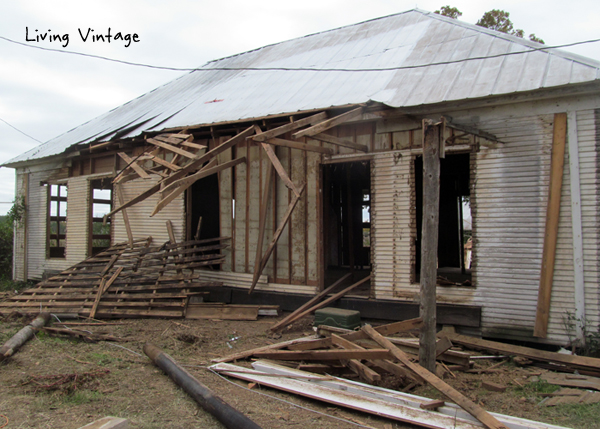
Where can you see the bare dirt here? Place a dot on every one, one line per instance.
(63, 382)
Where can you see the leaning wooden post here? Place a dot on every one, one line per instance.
(223, 412)
(23, 336)
(429, 242)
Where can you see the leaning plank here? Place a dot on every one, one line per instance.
(133, 164)
(23, 336)
(275, 132)
(552, 216)
(246, 354)
(279, 168)
(172, 148)
(222, 411)
(330, 123)
(276, 235)
(102, 289)
(456, 416)
(293, 316)
(530, 353)
(263, 216)
(363, 371)
(332, 298)
(475, 410)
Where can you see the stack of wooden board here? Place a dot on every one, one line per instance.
(137, 280)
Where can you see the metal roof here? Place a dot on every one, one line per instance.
(434, 59)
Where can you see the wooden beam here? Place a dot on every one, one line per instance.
(104, 285)
(276, 236)
(133, 164)
(246, 354)
(263, 219)
(294, 316)
(475, 410)
(429, 242)
(470, 130)
(180, 186)
(325, 354)
(160, 161)
(275, 132)
(363, 371)
(172, 148)
(340, 142)
(279, 168)
(330, 123)
(299, 145)
(119, 192)
(552, 217)
(192, 166)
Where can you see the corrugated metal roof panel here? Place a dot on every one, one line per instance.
(402, 41)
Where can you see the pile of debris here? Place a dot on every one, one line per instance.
(303, 366)
(134, 279)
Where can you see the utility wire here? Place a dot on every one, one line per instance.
(542, 48)
(22, 132)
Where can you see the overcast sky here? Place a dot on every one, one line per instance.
(45, 94)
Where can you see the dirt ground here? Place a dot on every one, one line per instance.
(118, 379)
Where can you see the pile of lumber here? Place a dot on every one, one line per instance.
(134, 279)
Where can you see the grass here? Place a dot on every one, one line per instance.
(80, 397)
(7, 285)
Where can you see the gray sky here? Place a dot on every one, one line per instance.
(45, 94)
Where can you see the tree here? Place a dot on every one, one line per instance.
(450, 12)
(499, 20)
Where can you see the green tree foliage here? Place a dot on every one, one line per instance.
(450, 12)
(499, 20)
(14, 217)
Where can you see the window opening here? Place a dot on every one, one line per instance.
(57, 220)
(100, 233)
(455, 220)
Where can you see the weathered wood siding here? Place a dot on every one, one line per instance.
(142, 225)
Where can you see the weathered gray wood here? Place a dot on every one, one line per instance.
(429, 242)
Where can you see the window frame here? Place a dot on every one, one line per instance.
(56, 252)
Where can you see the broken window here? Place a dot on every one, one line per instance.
(454, 219)
(57, 221)
(101, 204)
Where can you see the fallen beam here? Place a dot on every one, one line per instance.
(23, 336)
(222, 411)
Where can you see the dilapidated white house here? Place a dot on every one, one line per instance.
(338, 115)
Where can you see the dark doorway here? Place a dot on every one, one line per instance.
(203, 202)
(346, 218)
(454, 198)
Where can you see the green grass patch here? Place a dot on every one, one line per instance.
(80, 397)
(102, 359)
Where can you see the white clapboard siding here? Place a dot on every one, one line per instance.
(78, 219)
(142, 225)
(509, 197)
(393, 226)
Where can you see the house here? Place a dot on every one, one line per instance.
(319, 172)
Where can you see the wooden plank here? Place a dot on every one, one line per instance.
(293, 316)
(475, 410)
(330, 123)
(223, 312)
(172, 148)
(572, 380)
(102, 289)
(363, 371)
(533, 354)
(119, 192)
(299, 145)
(275, 132)
(246, 354)
(276, 236)
(552, 218)
(169, 165)
(429, 242)
(325, 354)
(263, 220)
(133, 164)
(327, 138)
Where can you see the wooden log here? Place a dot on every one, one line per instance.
(551, 233)
(429, 242)
(475, 410)
(225, 413)
(23, 336)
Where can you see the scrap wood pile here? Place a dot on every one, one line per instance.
(303, 366)
(137, 280)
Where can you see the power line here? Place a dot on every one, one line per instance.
(22, 132)
(313, 69)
